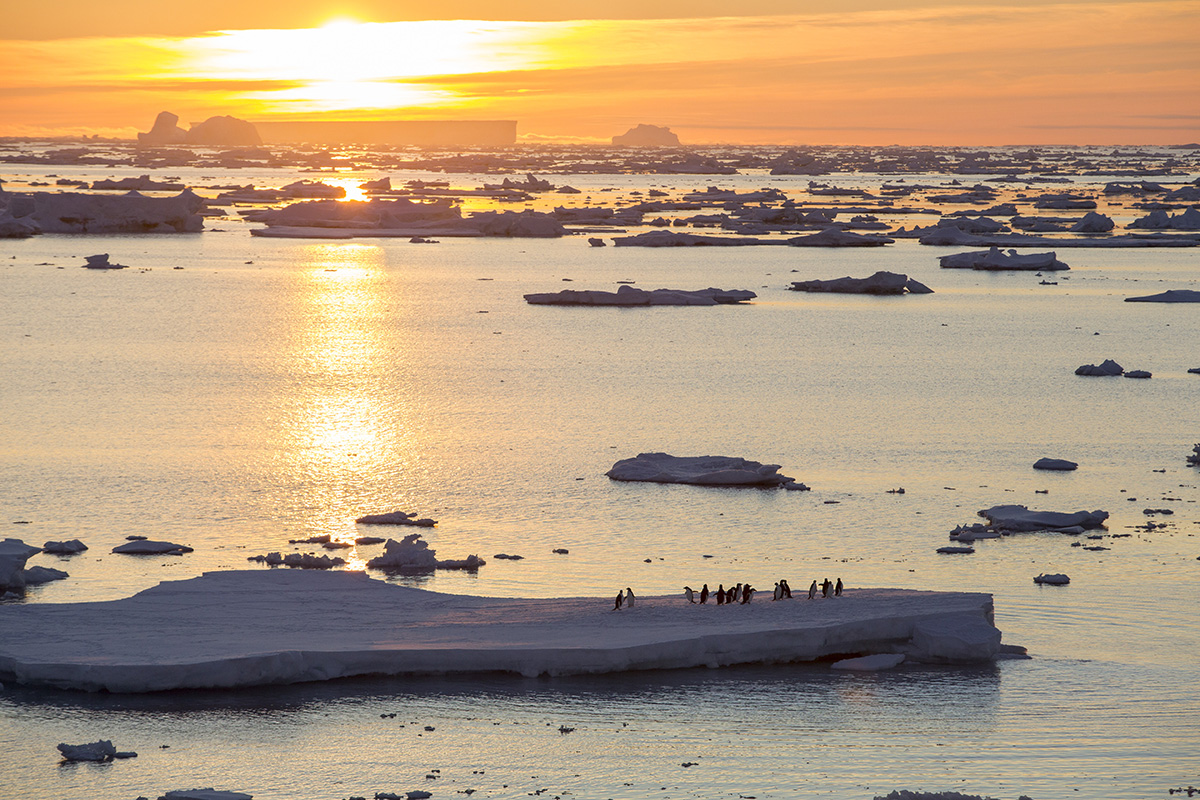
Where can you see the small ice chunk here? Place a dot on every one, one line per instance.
(35, 576)
(1058, 464)
(67, 548)
(205, 794)
(1053, 579)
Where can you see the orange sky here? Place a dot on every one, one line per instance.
(864, 72)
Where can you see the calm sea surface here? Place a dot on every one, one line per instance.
(277, 389)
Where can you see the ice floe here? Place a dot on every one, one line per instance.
(632, 296)
(247, 628)
(413, 554)
(1017, 518)
(996, 259)
(396, 518)
(700, 471)
(146, 547)
(67, 548)
(1055, 464)
(102, 750)
(1106, 369)
(1169, 296)
(13, 555)
(205, 794)
(881, 282)
(1052, 579)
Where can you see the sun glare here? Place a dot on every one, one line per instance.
(346, 64)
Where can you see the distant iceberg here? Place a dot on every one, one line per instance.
(251, 628)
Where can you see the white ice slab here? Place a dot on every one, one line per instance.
(246, 628)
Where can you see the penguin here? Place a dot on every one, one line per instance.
(687, 592)
(778, 592)
(629, 598)
(704, 594)
(620, 600)
(747, 593)
(737, 594)
(812, 590)
(721, 594)
(787, 590)
(837, 589)
(825, 587)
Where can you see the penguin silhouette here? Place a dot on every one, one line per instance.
(620, 600)
(721, 594)
(825, 587)
(687, 592)
(787, 590)
(812, 590)
(747, 593)
(837, 589)
(737, 594)
(778, 592)
(704, 594)
(629, 598)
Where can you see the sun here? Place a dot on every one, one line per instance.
(346, 64)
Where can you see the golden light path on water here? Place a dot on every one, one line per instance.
(336, 434)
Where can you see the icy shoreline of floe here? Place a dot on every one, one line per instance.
(250, 628)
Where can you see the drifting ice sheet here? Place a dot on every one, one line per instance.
(247, 628)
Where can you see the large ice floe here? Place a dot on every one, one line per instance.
(249, 628)
(701, 471)
(632, 296)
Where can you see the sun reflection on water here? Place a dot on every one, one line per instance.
(341, 433)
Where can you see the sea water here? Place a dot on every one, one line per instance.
(274, 389)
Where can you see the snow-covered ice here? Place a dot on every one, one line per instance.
(1169, 296)
(414, 554)
(13, 555)
(996, 259)
(396, 518)
(1014, 518)
(1055, 464)
(66, 548)
(247, 628)
(881, 282)
(632, 296)
(151, 548)
(205, 794)
(102, 750)
(698, 470)
(1107, 369)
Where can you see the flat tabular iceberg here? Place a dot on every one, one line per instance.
(248, 628)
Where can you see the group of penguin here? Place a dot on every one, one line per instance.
(742, 593)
